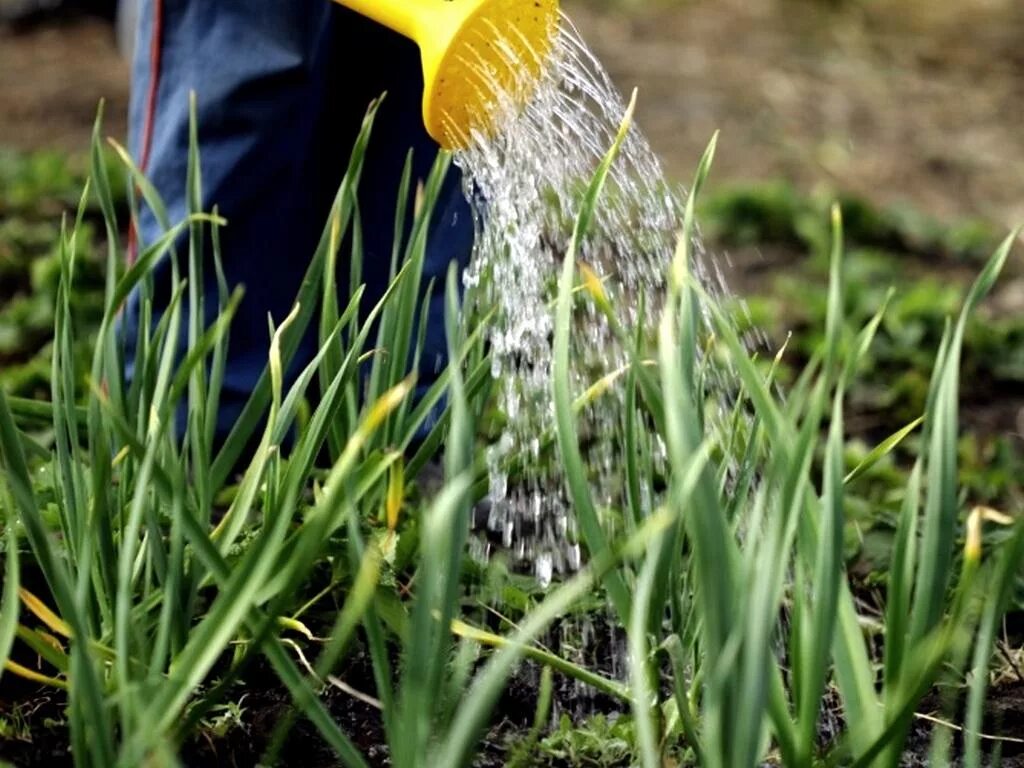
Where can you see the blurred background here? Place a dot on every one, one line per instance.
(904, 100)
(909, 112)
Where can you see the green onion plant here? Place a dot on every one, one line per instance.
(160, 567)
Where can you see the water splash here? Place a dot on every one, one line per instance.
(526, 185)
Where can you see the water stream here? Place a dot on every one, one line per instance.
(526, 185)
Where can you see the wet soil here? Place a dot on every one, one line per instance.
(240, 733)
(239, 736)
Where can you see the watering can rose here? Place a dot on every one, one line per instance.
(474, 52)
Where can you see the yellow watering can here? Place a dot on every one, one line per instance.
(471, 50)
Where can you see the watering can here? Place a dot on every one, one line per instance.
(471, 51)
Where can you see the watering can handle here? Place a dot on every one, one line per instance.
(403, 16)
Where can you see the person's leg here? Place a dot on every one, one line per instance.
(281, 91)
(258, 69)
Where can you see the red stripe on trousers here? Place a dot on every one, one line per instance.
(155, 55)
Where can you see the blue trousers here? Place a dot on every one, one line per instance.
(282, 87)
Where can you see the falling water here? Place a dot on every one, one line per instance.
(526, 185)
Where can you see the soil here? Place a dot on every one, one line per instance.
(898, 100)
(241, 737)
(52, 78)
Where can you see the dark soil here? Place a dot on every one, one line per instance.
(241, 738)
(1003, 727)
(42, 738)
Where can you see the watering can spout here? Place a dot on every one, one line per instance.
(472, 50)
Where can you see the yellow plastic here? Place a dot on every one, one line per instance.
(470, 50)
